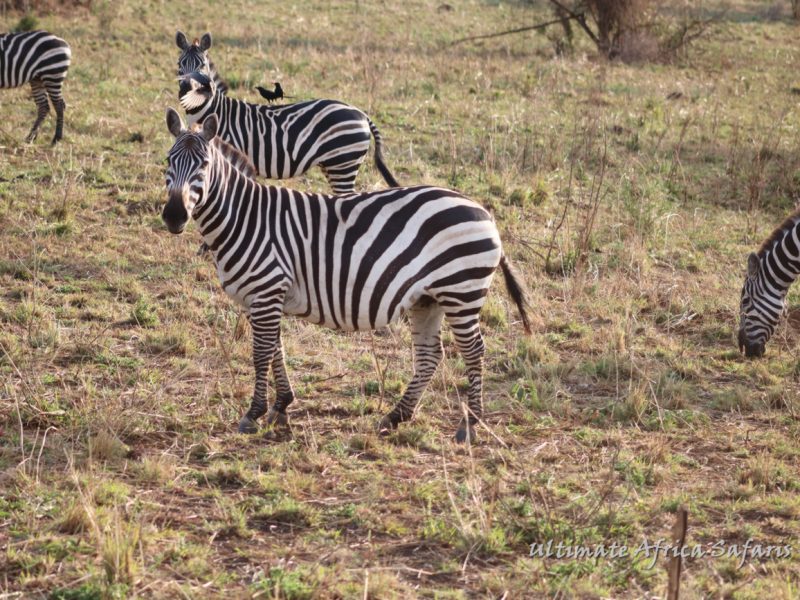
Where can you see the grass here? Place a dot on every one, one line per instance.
(124, 368)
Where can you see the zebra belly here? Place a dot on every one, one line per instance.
(296, 305)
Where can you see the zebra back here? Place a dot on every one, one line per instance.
(33, 56)
(282, 141)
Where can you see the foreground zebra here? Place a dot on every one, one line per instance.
(42, 59)
(350, 262)
(287, 141)
(194, 57)
(770, 273)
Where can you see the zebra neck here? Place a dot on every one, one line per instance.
(227, 191)
(780, 264)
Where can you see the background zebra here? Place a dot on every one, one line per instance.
(194, 57)
(770, 273)
(42, 59)
(347, 262)
(287, 141)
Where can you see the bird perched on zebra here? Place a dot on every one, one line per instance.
(270, 95)
(194, 57)
(770, 273)
(351, 262)
(42, 59)
(287, 141)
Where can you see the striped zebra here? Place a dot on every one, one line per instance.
(287, 141)
(351, 262)
(42, 59)
(194, 57)
(770, 273)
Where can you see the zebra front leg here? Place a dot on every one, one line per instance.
(54, 91)
(60, 105)
(468, 339)
(42, 108)
(425, 319)
(265, 319)
(284, 395)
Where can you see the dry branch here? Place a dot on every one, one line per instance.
(517, 30)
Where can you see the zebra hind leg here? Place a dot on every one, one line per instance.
(284, 396)
(42, 108)
(342, 179)
(468, 340)
(425, 319)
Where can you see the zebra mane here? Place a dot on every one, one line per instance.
(240, 161)
(789, 223)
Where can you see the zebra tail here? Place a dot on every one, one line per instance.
(517, 292)
(384, 170)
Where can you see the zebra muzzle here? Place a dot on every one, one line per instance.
(175, 215)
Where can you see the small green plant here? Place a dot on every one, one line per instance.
(281, 583)
(87, 591)
(118, 545)
(520, 197)
(145, 314)
(28, 22)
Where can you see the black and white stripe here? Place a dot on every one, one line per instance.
(194, 57)
(287, 141)
(42, 59)
(351, 262)
(770, 273)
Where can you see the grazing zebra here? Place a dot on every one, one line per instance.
(194, 57)
(42, 59)
(351, 262)
(286, 141)
(770, 273)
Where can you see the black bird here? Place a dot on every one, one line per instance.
(272, 96)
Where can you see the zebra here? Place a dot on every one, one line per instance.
(42, 59)
(770, 273)
(288, 140)
(194, 57)
(348, 262)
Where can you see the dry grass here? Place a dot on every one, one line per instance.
(627, 196)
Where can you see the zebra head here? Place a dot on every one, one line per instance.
(760, 309)
(196, 90)
(187, 165)
(194, 56)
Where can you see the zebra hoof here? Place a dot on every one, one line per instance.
(386, 426)
(277, 419)
(465, 434)
(248, 425)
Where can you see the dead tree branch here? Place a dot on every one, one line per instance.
(545, 25)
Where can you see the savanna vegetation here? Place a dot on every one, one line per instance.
(628, 193)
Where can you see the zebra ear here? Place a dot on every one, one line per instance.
(181, 40)
(205, 42)
(174, 122)
(210, 127)
(753, 265)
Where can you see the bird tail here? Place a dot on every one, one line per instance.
(384, 170)
(517, 292)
